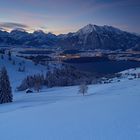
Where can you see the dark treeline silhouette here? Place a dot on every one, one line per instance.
(66, 76)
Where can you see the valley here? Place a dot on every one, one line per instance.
(93, 61)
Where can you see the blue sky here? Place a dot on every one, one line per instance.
(62, 16)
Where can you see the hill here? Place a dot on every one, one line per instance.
(108, 111)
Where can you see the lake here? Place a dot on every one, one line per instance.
(101, 66)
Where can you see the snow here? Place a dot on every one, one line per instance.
(87, 29)
(90, 28)
(15, 76)
(112, 29)
(107, 112)
(131, 71)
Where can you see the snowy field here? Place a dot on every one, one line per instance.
(107, 112)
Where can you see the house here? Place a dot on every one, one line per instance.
(29, 91)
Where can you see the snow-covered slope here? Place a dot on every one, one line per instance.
(15, 76)
(107, 112)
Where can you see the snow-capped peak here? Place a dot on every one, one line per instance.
(90, 28)
(51, 35)
(18, 30)
(87, 29)
(112, 29)
(18, 33)
(39, 32)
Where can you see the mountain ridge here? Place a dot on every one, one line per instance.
(88, 37)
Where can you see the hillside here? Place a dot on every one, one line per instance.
(15, 76)
(107, 112)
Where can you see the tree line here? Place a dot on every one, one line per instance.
(66, 76)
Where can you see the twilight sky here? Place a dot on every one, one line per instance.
(62, 16)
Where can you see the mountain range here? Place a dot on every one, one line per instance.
(89, 37)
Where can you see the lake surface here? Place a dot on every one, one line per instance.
(102, 66)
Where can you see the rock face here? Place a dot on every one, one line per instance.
(89, 37)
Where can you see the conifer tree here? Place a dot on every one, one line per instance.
(5, 88)
(9, 56)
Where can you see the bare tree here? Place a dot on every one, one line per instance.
(83, 88)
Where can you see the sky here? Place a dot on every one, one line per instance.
(63, 16)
